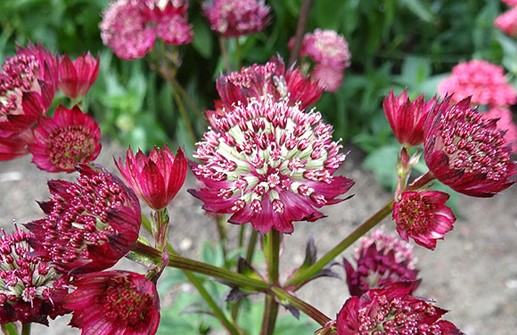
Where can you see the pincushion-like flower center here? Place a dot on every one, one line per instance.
(123, 302)
(472, 145)
(22, 276)
(416, 214)
(268, 148)
(22, 72)
(71, 145)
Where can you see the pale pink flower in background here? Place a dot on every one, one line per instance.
(504, 123)
(329, 78)
(510, 2)
(507, 22)
(484, 82)
(231, 18)
(327, 47)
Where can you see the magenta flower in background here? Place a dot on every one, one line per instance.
(261, 81)
(28, 83)
(483, 82)
(77, 76)
(89, 225)
(406, 117)
(130, 27)
(467, 152)
(68, 138)
(423, 216)
(30, 288)
(504, 123)
(510, 2)
(392, 310)
(507, 22)
(156, 178)
(382, 259)
(232, 18)
(114, 302)
(269, 163)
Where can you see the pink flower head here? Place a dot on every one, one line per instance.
(77, 76)
(260, 81)
(505, 124)
(30, 288)
(68, 138)
(510, 2)
(114, 302)
(407, 118)
(269, 163)
(423, 216)
(232, 18)
(484, 82)
(467, 152)
(507, 22)
(329, 78)
(326, 47)
(170, 18)
(89, 225)
(124, 29)
(28, 83)
(392, 310)
(381, 260)
(155, 179)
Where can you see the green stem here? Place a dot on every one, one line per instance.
(221, 231)
(224, 53)
(183, 263)
(272, 252)
(26, 328)
(187, 98)
(303, 306)
(251, 246)
(184, 114)
(302, 275)
(300, 29)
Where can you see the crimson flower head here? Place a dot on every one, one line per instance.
(260, 81)
(89, 225)
(505, 123)
(467, 152)
(156, 178)
(77, 76)
(484, 82)
(68, 138)
(232, 18)
(30, 288)
(28, 83)
(406, 117)
(114, 302)
(269, 163)
(381, 260)
(130, 27)
(423, 216)
(392, 310)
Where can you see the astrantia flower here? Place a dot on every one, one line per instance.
(68, 138)
(392, 310)
(30, 288)
(89, 225)
(381, 260)
(504, 123)
(130, 27)
(155, 179)
(15, 145)
(114, 302)
(423, 216)
(329, 78)
(28, 83)
(326, 47)
(507, 22)
(467, 152)
(484, 82)
(407, 118)
(269, 163)
(77, 76)
(260, 81)
(231, 18)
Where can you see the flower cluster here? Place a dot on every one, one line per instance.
(233, 18)
(28, 84)
(329, 51)
(131, 27)
(30, 288)
(382, 259)
(507, 22)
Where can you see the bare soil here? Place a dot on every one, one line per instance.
(472, 273)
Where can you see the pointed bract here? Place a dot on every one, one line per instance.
(77, 76)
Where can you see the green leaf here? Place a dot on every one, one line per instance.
(203, 40)
(382, 162)
(419, 9)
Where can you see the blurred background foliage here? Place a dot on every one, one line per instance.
(394, 44)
